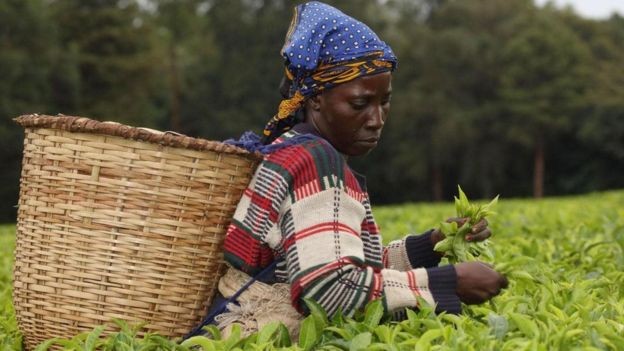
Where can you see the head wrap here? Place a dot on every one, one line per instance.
(323, 48)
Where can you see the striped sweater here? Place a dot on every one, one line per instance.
(307, 209)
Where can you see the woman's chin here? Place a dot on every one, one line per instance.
(360, 148)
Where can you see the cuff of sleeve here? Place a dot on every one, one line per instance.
(420, 250)
(443, 285)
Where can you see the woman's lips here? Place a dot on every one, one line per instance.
(369, 141)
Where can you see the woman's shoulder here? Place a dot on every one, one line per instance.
(298, 145)
(306, 151)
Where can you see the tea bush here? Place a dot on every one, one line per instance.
(564, 258)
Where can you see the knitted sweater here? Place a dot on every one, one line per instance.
(307, 209)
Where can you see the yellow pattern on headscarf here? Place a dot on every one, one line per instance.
(289, 106)
(344, 72)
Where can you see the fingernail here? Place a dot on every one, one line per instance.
(468, 238)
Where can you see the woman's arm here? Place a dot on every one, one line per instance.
(413, 251)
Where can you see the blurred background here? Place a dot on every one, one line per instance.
(506, 97)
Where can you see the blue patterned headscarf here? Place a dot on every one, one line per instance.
(323, 48)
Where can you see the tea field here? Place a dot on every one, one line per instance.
(564, 258)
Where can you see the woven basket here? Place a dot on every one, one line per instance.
(120, 222)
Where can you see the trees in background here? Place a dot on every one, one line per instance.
(496, 95)
(544, 80)
(111, 53)
(29, 59)
(502, 97)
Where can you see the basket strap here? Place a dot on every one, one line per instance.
(222, 306)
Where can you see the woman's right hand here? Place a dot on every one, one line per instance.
(477, 282)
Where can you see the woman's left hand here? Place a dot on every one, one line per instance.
(479, 232)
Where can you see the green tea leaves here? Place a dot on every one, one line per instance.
(564, 258)
(498, 325)
(455, 246)
(360, 341)
(308, 335)
(373, 314)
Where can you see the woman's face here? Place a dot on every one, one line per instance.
(351, 115)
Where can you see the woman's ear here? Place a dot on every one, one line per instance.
(315, 102)
(312, 107)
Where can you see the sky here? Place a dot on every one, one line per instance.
(597, 9)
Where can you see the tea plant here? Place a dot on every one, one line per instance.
(10, 338)
(564, 258)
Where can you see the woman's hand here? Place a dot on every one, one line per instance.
(479, 232)
(477, 282)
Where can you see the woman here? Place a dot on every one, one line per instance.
(306, 210)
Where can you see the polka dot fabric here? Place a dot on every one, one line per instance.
(321, 34)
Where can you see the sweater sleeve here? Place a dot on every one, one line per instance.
(253, 233)
(413, 251)
(324, 249)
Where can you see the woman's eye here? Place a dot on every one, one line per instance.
(358, 105)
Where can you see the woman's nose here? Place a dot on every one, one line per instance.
(377, 117)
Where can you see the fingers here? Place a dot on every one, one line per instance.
(479, 281)
(483, 223)
(460, 220)
(501, 280)
(481, 226)
(436, 236)
(480, 236)
(489, 265)
(480, 231)
(504, 282)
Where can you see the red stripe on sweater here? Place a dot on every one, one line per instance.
(377, 289)
(327, 226)
(353, 186)
(258, 200)
(308, 174)
(330, 227)
(244, 246)
(384, 257)
(310, 277)
(300, 163)
(411, 279)
(241, 244)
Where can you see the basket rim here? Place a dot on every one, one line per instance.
(86, 125)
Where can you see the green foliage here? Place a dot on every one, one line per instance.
(480, 86)
(125, 339)
(27, 63)
(564, 258)
(455, 246)
(10, 338)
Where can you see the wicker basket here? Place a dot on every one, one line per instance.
(120, 222)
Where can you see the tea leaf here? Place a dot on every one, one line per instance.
(308, 335)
